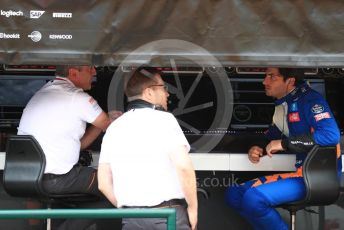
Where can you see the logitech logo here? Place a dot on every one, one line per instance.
(9, 13)
(36, 13)
(35, 36)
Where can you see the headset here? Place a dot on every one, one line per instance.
(140, 104)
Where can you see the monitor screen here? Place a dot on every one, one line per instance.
(17, 92)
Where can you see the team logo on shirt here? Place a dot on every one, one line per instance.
(317, 108)
(321, 116)
(293, 107)
(293, 117)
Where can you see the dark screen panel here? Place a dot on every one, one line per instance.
(17, 92)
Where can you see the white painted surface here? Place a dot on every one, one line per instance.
(210, 162)
(224, 162)
(282, 162)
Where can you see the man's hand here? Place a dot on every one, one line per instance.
(114, 114)
(254, 154)
(273, 147)
(186, 174)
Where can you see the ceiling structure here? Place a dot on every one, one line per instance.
(173, 32)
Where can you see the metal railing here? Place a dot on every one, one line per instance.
(168, 213)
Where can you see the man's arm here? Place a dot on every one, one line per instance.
(324, 130)
(258, 150)
(105, 182)
(187, 178)
(100, 124)
(300, 144)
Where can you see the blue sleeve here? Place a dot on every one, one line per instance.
(273, 133)
(319, 116)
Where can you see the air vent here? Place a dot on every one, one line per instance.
(29, 68)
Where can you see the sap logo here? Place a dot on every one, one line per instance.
(36, 13)
(60, 36)
(10, 13)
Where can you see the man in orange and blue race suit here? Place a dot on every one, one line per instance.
(301, 120)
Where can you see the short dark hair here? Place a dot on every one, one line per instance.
(63, 70)
(139, 79)
(297, 73)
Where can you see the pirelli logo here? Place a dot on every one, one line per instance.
(62, 15)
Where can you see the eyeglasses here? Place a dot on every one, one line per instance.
(273, 77)
(85, 68)
(165, 86)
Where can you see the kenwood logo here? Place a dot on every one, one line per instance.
(10, 13)
(9, 36)
(62, 15)
(60, 36)
(36, 13)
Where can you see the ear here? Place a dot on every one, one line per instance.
(291, 81)
(147, 93)
(73, 76)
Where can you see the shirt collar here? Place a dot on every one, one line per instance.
(64, 79)
(295, 93)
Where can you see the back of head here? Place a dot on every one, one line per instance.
(63, 70)
(140, 79)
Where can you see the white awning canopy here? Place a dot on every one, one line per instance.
(236, 33)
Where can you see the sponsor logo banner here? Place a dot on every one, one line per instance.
(60, 36)
(294, 117)
(317, 108)
(36, 13)
(11, 13)
(9, 36)
(321, 116)
(35, 36)
(62, 15)
(293, 107)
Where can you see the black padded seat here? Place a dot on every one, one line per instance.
(320, 175)
(24, 170)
